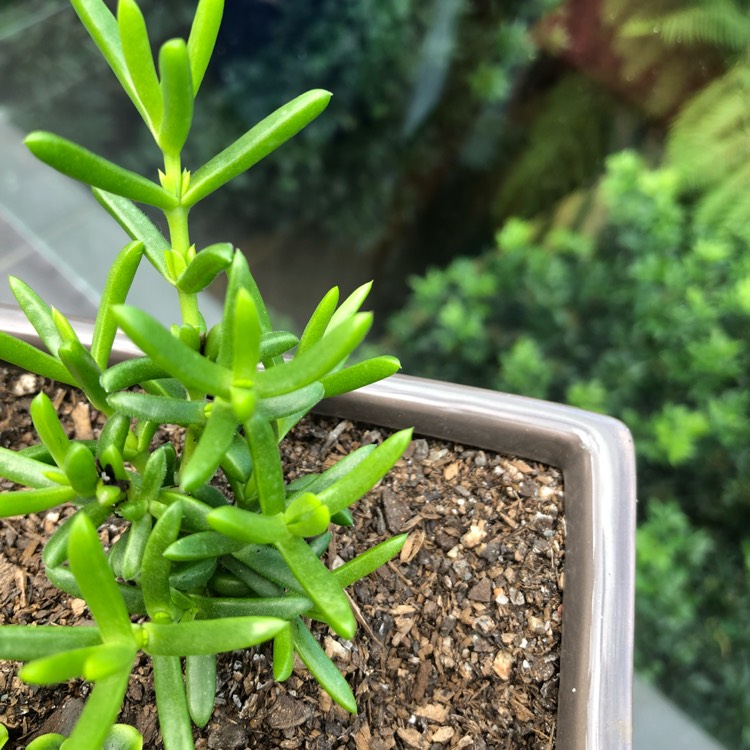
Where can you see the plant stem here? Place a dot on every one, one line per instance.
(179, 236)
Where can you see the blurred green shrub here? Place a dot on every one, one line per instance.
(646, 320)
(691, 613)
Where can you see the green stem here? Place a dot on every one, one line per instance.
(179, 236)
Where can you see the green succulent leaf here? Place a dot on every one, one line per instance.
(159, 408)
(322, 668)
(246, 332)
(362, 565)
(37, 312)
(154, 475)
(64, 580)
(275, 343)
(269, 478)
(359, 375)
(88, 564)
(113, 435)
(131, 372)
(205, 267)
(202, 37)
(28, 357)
(23, 502)
(48, 427)
(240, 278)
(319, 320)
(22, 643)
(171, 703)
(319, 584)
(138, 226)
(317, 361)
(283, 653)
(298, 401)
(86, 372)
(135, 547)
(123, 737)
(215, 440)
(318, 482)
(284, 607)
(202, 545)
(256, 144)
(198, 637)
(173, 355)
(269, 564)
(20, 469)
(237, 462)
(307, 516)
(83, 165)
(56, 550)
(177, 96)
(51, 741)
(103, 29)
(100, 712)
(91, 663)
(254, 582)
(248, 527)
(195, 509)
(80, 469)
(192, 576)
(349, 488)
(119, 280)
(200, 687)
(351, 305)
(139, 61)
(155, 585)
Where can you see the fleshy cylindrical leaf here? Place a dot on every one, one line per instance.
(248, 527)
(209, 636)
(177, 96)
(342, 493)
(170, 353)
(202, 37)
(216, 438)
(81, 164)
(139, 60)
(159, 408)
(119, 280)
(96, 582)
(205, 267)
(256, 144)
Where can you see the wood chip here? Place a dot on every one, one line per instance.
(443, 735)
(81, 417)
(411, 737)
(412, 546)
(502, 665)
(451, 471)
(433, 712)
(363, 738)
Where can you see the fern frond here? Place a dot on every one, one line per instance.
(720, 23)
(710, 138)
(727, 205)
(709, 145)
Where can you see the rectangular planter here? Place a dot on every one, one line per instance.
(595, 454)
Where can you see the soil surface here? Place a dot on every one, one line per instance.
(459, 639)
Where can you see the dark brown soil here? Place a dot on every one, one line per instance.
(459, 639)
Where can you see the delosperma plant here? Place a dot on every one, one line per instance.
(202, 570)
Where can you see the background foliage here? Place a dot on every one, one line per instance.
(646, 319)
